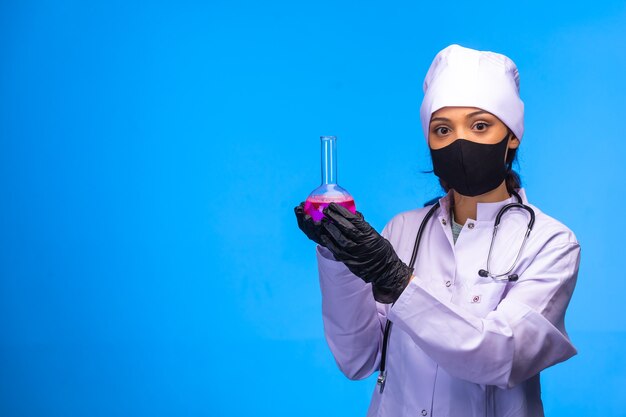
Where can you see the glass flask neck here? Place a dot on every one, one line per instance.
(329, 159)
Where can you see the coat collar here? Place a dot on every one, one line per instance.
(484, 211)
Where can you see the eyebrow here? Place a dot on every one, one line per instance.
(467, 116)
(476, 113)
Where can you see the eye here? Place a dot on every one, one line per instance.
(481, 126)
(441, 130)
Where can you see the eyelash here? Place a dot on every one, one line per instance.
(436, 130)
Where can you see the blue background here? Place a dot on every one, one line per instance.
(151, 154)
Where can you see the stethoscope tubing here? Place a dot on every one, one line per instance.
(418, 238)
(496, 277)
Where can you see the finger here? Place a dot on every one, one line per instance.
(345, 218)
(312, 222)
(305, 222)
(355, 225)
(339, 209)
(339, 251)
(343, 241)
(361, 224)
(299, 214)
(299, 209)
(330, 245)
(302, 215)
(302, 206)
(345, 225)
(327, 241)
(355, 218)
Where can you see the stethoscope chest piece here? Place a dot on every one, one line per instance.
(507, 276)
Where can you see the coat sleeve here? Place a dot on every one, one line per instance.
(522, 336)
(353, 320)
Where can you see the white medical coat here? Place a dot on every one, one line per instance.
(460, 344)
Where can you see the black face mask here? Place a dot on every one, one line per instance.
(471, 168)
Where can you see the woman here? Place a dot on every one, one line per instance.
(469, 337)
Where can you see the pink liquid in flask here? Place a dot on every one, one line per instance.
(313, 206)
(329, 191)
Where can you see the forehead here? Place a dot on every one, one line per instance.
(454, 112)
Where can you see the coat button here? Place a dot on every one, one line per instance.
(443, 221)
(470, 225)
(448, 283)
(424, 412)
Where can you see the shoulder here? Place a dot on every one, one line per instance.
(552, 257)
(404, 218)
(551, 231)
(547, 231)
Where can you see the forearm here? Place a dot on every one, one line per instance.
(352, 322)
(511, 344)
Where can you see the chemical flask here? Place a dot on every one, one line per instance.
(329, 191)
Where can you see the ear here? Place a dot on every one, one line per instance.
(513, 142)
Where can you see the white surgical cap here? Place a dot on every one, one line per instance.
(460, 76)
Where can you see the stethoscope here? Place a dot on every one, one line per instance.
(504, 277)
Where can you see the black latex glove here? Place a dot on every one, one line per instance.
(310, 228)
(366, 253)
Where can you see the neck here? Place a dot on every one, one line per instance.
(465, 207)
(329, 160)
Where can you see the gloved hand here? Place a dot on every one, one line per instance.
(366, 253)
(310, 228)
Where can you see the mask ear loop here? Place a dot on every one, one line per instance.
(509, 164)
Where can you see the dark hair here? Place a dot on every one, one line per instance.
(512, 178)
